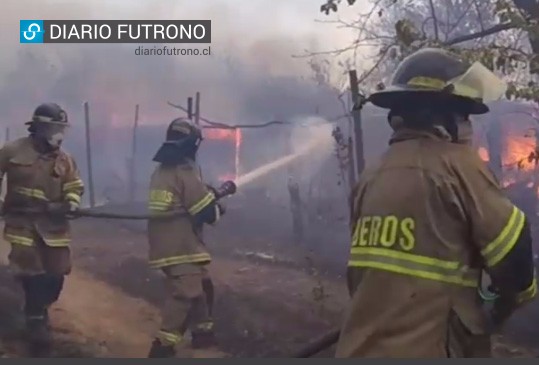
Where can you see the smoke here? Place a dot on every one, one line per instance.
(244, 62)
(313, 144)
(312, 138)
(250, 76)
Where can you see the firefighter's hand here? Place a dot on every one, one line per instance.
(503, 308)
(212, 189)
(227, 188)
(222, 208)
(73, 207)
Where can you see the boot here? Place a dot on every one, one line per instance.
(203, 339)
(38, 336)
(160, 350)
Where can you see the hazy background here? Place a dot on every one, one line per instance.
(251, 76)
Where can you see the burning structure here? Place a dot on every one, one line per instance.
(507, 140)
(222, 153)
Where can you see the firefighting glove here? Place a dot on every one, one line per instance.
(227, 188)
(222, 208)
(1, 207)
(73, 207)
(502, 309)
(212, 189)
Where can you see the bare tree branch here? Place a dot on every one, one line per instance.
(468, 37)
(218, 125)
(460, 18)
(446, 27)
(358, 24)
(382, 57)
(479, 16)
(434, 19)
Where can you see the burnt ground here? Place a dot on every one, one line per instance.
(273, 296)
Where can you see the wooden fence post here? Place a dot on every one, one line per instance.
(358, 131)
(197, 109)
(132, 170)
(89, 154)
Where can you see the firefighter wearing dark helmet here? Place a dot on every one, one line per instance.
(176, 245)
(43, 178)
(428, 219)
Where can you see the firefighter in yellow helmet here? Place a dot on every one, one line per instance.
(176, 245)
(427, 219)
(43, 185)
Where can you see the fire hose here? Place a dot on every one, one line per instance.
(318, 345)
(226, 189)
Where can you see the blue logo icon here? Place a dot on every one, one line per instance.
(32, 31)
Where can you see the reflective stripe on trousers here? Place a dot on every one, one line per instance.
(183, 259)
(27, 241)
(169, 338)
(423, 267)
(19, 240)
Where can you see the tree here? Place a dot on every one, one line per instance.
(501, 34)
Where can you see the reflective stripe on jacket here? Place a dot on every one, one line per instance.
(425, 221)
(35, 179)
(177, 240)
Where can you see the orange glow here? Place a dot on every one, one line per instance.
(220, 134)
(235, 137)
(226, 177)
(517, 149)
(483, 154)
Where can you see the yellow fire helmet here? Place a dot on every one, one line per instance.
(432, 71)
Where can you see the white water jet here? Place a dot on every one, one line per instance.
(316, 140)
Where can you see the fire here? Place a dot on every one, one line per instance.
(517, 150)
(220, 134)
(234, 136)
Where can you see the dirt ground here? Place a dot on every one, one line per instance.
(109, 308)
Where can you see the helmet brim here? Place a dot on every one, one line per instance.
(396, 95)
(30, 122)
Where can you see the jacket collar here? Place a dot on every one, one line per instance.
(404, 134)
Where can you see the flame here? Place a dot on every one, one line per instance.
(233, 135)
(517, 150)
(220, 134)
(483, 154)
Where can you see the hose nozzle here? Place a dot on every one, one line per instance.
(227, 188)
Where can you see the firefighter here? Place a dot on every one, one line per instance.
(43, 185)
(176, 246)
(428, 219)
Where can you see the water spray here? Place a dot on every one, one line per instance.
(315, 139)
